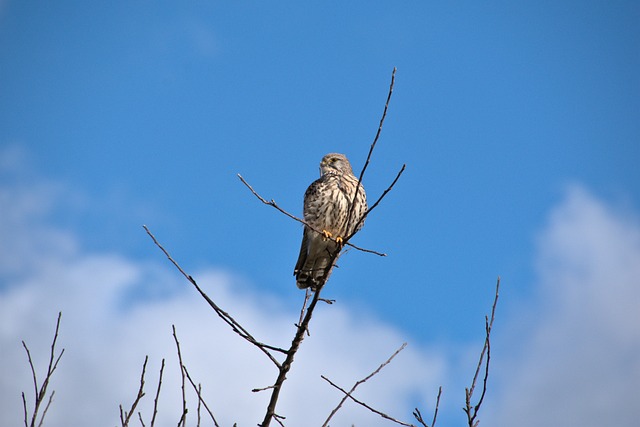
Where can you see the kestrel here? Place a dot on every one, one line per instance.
(327, 203)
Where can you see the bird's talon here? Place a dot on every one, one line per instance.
(326, 234)
(339, 240)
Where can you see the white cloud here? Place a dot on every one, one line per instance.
(116, 310)
(576, 353)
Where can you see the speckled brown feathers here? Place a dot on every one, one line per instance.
(327, 203)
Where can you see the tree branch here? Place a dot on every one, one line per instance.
(184, 399)
(126, 416)
(375, 411)
(286, 365)
(469, 409)
(373, 145)
(235, 326)
(273, 204)
(418, 415)
(41, 392)
(358, 383)
(384, 193)
(198, 391)
(155, 400)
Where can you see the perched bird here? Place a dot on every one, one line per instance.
(327, 208)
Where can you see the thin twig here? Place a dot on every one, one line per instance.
(35, 380)
(361, 403)
(384, 193)
(184, 399)
(41, 392)
(127, 415)
(257, 390)
(418, 415)
(24, 406)
(273, 204)
(235, 326)
(278, 420)
(307, 294)
(358, 383)
(469, 409)
(198, 390)
(46, 408)
(373, 145)
(435, 413)
(155, 400)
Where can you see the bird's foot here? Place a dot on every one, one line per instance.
(327, 234)
(339, 241)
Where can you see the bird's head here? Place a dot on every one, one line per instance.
(335, 163)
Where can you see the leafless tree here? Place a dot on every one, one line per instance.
(282, 358)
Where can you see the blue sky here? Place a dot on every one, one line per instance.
(508, 116)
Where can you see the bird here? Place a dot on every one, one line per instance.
(329, 218)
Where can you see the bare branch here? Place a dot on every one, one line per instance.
(469, 409)
(384, 115)
(435, 413)
(273, 204)
(358, 383)
(24, 406)
(279, 419)
(235, 326)
(418, 415)
(384, 193)
(307, 294)
(373, 145)
(198, 391)
(359, 402)
(33, 374)
(257, 390)
(46, 408)
(40, 392)
(184, 399)
(155, 400)
(124, 418)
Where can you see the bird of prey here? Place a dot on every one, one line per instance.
(328, 211)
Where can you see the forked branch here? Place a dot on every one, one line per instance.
(125, 416)
(349, 394)
(41, 392)
(273, 204)
(418, 415)
(470, 409)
